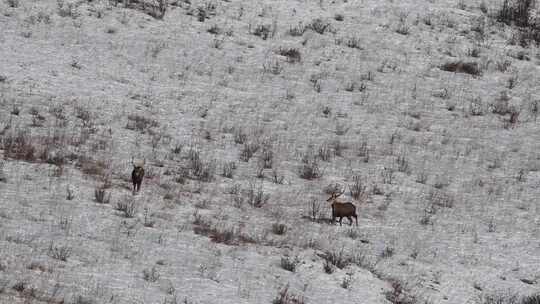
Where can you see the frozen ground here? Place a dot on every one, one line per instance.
(448, 180)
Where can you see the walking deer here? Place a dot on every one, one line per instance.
(342, 209)
(137, 174)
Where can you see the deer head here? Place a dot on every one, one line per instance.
(138, 165)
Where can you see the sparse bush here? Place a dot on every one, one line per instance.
(426, 218)
(338, 258)
(227, 235)
(474, 52)
(476, 106)
(328, 267)
(141, 123)
(3, 178)
(353, 42)
(309, 168)
(15, 109)
(347, 280)
(358, 189)
(352, 233)
(320, 26)
(19, 286)
(289, 263)
(20, 146)
(471, 68)
(267, 157)
(279, 228)
(248, 150)
(101, 196)
(264, 31)
(13, 3)
(398, 295)
(403, 28)
(148, 222)
(297, 30)
(314, 209)
(387, 251)
(422, 177)
(440, 198)
(516, 12)
(387, 175)
(339, 17)
(293, 55)
(499, 298)
(286, 297)
(402, 163)
(204, 12)
(228, 169)
(325, 152)
(151, 275)
(214, 29)
(277, 178)
(338, 147)
(501, 106)
(60, 252)
(256, 197)
(532, 299)
(503, 65)
(67, 9)
(217, 43)
(350, 86)
(127, 206)
(199, 169)
(341, 129)
(363, 151)
(240, 136)
(272, 66)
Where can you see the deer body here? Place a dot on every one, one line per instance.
(342, 209)
(137, 176)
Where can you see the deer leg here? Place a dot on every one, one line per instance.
(340, 218)
(350, 220)
(356, 218)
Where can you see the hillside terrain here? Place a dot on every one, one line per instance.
(248, 115)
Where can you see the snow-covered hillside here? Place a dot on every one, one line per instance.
(249, 114)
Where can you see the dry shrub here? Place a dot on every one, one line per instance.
(223, 235)
(91, 167)
(286, 297)
(471, 68)
(127, 206)
(101, 195)
(293, 55)
(141, 123)
(319, 26)
(309, 168)
(289, 263)
(516, 12)
(20, 145)
(279, 228)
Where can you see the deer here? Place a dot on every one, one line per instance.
(137, 175)
(342, 209)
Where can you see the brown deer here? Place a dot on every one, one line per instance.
(342, 209)
(137, 175)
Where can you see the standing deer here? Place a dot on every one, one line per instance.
(137, 175)
(342, 209)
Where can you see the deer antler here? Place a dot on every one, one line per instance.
(341, 192)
